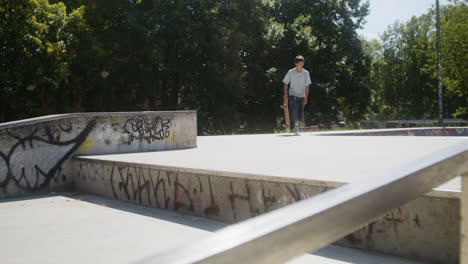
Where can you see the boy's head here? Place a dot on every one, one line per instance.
(299, 61)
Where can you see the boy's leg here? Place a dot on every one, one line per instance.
(300, 114)
(295, 104)
(293, 111)
(300, 110)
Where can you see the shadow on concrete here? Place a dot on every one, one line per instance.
(161, 214)
(30, 197)
(358, 256)
(127, 207)
(329, 255)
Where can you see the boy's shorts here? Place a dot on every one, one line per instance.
(296, 108)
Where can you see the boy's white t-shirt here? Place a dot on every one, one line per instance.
(297, 82)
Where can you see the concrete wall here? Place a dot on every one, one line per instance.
(433, 132)
(35, 153)
(425, 229)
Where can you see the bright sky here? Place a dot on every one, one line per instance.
(383, 13)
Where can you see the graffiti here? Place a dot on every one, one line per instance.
(294, 193)
(417, 222)
(181, 197)
(234, 198)
(93, 169)
(36, 157)
(270, 199)
(395, 218)
(227, 199)
(155, 187)
(222, 198)
(213, 208)
(147, 129)
(392, 225)
(35, 154)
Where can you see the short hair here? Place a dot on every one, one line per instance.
(298, 58)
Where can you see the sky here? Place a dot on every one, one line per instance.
(383, 13)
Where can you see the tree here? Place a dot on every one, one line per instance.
(407, 87)
(454, 37)
(225, 59)
(325, 33)
(375, 80)
(33, 61)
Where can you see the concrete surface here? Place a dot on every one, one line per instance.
(34, 153)
(326, 161)
(75, 228)
(341, 255)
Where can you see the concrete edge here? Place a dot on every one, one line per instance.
(346, 132)
(444, 193)
(436, 193)
(48, 118)
(219, 173)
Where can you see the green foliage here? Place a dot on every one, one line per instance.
(33, 60)
(404, 72)
(225, 59)
(454, 35)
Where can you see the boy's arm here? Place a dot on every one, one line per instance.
(285, 96)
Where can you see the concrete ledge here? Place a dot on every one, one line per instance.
(426, 228)
(420, 131)
(452, 192)
(34, 153)
(40, 119)
(320, 161)
(232, 178)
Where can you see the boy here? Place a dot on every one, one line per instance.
(298, 80)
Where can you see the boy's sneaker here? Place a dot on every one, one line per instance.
(296, 131)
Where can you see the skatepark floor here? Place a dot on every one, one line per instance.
(81, 228)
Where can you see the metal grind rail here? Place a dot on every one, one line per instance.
(311, 224)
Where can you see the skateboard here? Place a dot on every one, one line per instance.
(286, 117)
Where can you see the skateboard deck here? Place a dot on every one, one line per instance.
(286, 117)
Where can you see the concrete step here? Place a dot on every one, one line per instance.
(81, 228)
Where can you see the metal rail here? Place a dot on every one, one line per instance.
(311, 224)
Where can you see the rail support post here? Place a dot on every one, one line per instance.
(464, 220)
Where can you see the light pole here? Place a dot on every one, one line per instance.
(439, 66)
